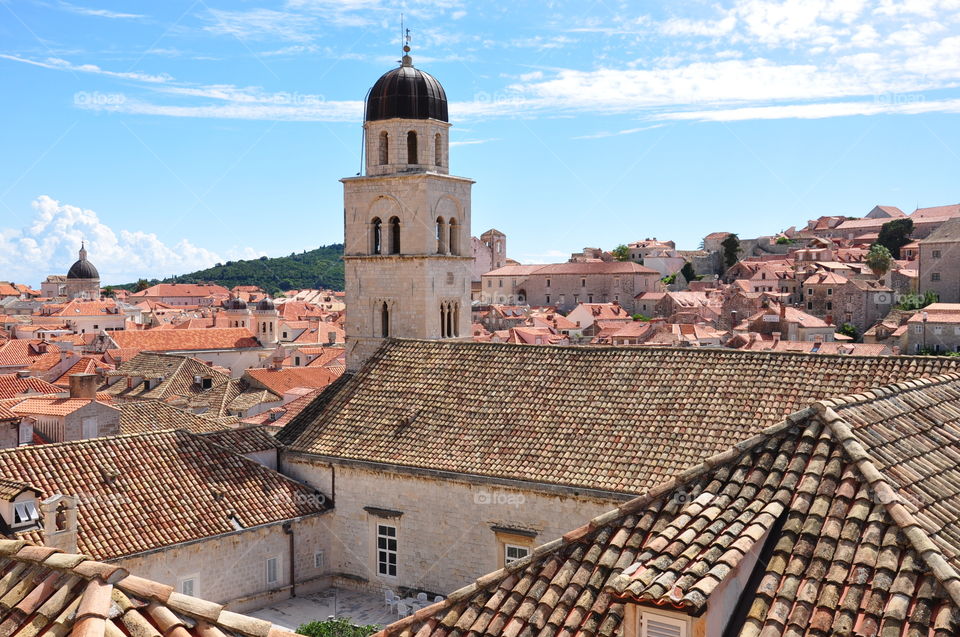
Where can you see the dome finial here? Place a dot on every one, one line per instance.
(406, 60)
(83, 250)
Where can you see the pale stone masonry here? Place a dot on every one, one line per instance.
(939, 262)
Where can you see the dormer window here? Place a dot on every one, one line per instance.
(25, 513)
(661, 624)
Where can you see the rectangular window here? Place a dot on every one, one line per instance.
(273, 571)
(500, 283)
(938, 329)
(583, 283)
(936, 254)
(548, 299)
(187, 586)
(318, 560)
(512, 553)
(809, 305)
(25, 513)
(829, 306)
(934, 276)
(548, 282)
(809, 291)
(387, 550)
(489, 283)
(829, 291)
(918, 329)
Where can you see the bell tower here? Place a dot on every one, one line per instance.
(407, 252)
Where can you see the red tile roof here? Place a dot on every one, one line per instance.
(50, 406)
(12, 385)
(185, 340)
(936, 212)
(281, 380)
(182, 289)
(150, 471)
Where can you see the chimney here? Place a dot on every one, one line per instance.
(59, 516)
(83, 386)
(783, 311)
(776, 337)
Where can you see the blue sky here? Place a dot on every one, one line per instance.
(172, 135)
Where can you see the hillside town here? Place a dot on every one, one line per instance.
(759, 436)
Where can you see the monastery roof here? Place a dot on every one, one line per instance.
(436, 405)
(514, 270)
(52, 593)
(847, 501)
(243, 440)
(936, 213)
(182, 289)
(125, 486)
(938, 313)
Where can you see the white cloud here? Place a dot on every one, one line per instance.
(48, 244)
(63, 65)
(100, 13)
(626, 131)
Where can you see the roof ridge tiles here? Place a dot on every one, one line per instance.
(931, 554)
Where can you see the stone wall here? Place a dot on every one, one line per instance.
(232, 568)
(447, 526)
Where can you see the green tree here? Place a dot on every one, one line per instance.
(640, 317)
(688, 272)
(621, 253)
(731, 250)
(895, 234)
(879, 259)
(340, 627)
(848, 330)
(141, 285)
(918, 302)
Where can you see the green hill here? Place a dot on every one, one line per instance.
(310, 269)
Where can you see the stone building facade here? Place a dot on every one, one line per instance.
(474, 523)
(939, 262)
(407, 249)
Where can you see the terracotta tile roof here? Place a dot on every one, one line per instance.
(25, 352)
(850, 504)
(938, 313)
(12, 385)
(185, 340)
(244, 439)
(949, 232)
(436, 405)
(86, 365)
(49, 406)
(598, 267)
(183, 289)
(281, 380)
(936, 212)
(128, 482)
(80, 307)
(813, 347)
(226, 399)
(52, 593)
(283, 415)
(825, 278)
(175, 375)
(514, 270)
(153, 415)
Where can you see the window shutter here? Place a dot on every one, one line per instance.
(659, 626)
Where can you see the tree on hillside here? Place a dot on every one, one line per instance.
(621, 253)
(731, 250)
(142, 284)
(895, 234)
(879, 259)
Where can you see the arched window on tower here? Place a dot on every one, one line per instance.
(443, 320)
(394, 235)
(454, 244)
(438, 150)
(384, 148)
(412, 148)
(384, 320)
(449, 320)
(456, 319)
(441, 236)
(376, 239)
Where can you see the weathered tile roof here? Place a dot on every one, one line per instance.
(849, 503)
(48, 592)
(617, 419)
(287, 412)
(177, 372)
(235, 395)
(125, 486)
(48, 406)
(142, 416)
(244, 439)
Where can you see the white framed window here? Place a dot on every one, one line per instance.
(188, 585)
(318, 560)
(25, 513)
(918, 329)
(512, 553)
(387, 550)
(273, 571)
(661, 625)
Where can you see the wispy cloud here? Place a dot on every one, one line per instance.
(473, 142)
(626, 131)
(100, 13)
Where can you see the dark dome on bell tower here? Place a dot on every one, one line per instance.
(408, 93)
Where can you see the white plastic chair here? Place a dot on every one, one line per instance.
(422, 598)
(402, 609)
(389, 599)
